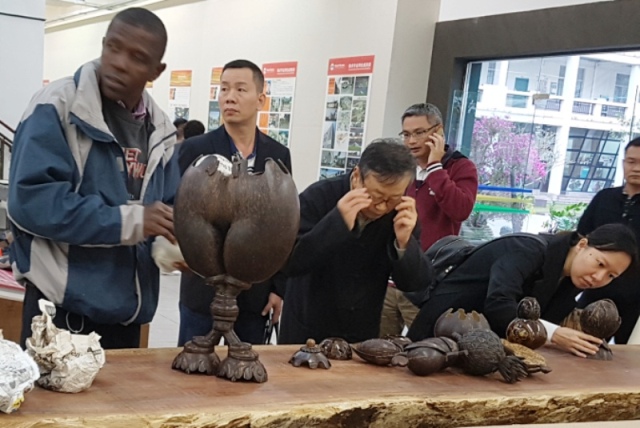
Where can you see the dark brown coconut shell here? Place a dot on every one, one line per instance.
(460, 322)
(528, 308)
(377, 351)
(600, 319)
(236, 223)
(526, 332)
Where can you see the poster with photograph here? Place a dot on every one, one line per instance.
(179, 94)
(279, 87)
(215, 118)
(345, 114)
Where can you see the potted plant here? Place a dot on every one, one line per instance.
(564, 217)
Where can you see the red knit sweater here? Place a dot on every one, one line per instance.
(445, 199)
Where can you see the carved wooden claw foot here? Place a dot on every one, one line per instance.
(198, 356)
(242, 364)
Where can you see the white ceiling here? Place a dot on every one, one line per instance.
(63, 11)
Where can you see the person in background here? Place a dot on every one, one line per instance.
(355, 230)
(92, 182)
(179, 123)
(241, 97)
(445, 191)
(193, 128)
(552, 268)
(619, 205)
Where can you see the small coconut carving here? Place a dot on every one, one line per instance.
(459, 322)
(485, 354)
(336, 348)
(310, 355)
(527, 329)
(401, 341)
(601, 319)
(382, 352)
(431, 355)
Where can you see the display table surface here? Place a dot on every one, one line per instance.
(139, 388)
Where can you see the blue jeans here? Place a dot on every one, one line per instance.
(249, 326)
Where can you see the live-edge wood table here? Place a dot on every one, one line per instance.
(138, 388)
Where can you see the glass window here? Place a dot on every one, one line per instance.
(491, 72)
(579, 83)
(521, 84)
(621, 88)
(561, 73)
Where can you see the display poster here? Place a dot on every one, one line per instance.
(179, 94)
(345, 114)
(279, 87)
(215, 118)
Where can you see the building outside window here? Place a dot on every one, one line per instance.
(578, 111)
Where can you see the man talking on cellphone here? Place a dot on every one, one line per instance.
(445, 191)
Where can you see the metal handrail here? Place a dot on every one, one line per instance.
(5, 142)
(13, 131)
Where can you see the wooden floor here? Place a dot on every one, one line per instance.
(138, 388)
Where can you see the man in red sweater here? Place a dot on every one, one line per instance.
(445, 191)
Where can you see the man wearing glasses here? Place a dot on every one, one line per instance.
(355, 230)
(445, 191)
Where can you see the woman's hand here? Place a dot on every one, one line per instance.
(576, 342)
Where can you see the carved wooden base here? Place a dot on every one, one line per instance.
(198, 355)
(197, 359)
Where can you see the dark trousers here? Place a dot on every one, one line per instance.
(249, 326)
(113, 336)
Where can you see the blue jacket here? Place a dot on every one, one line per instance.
(77, 237)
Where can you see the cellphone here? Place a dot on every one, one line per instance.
(440, 131)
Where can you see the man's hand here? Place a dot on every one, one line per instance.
(405, 221)
(275, 303)
(351, 204)
(576, 342)
(158, 221)
(435, 142)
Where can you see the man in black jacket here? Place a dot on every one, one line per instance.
(619, 205)
(241, 97)
(355, 230)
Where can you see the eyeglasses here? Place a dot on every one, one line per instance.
(390, 201)
(419, 134)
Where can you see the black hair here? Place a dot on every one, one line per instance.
(388, 159)
(145, 19)
(430, 111)
(258, 77)
(633, 143)
(193, 128)
(179, 122)
(613, 237)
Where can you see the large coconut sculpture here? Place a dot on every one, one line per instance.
(234, 229)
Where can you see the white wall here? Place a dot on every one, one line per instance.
(21, 56)
(462, 9)
(210, 33)
(410, 59)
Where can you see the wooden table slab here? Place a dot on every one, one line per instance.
(139, 388)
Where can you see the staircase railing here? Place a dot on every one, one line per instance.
(5, 143)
